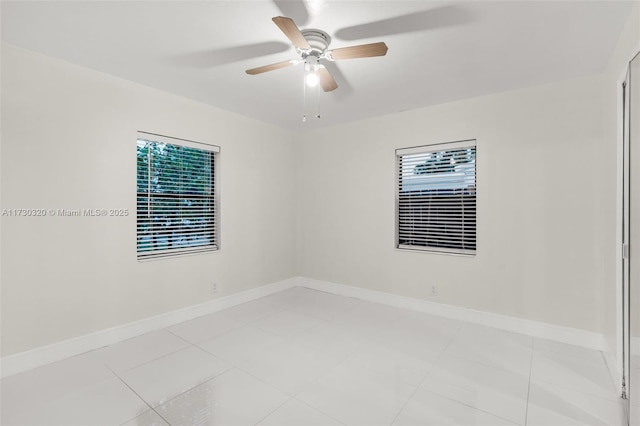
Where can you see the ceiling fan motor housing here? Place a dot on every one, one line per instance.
(318, 40)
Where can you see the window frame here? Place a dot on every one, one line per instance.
(423, 149)
(215, 185)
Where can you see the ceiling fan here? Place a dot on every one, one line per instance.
(313, 46)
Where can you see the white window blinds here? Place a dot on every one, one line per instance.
(176, 194)
(436, 197)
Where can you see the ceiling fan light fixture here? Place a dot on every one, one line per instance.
(311, 79)
(311, 64)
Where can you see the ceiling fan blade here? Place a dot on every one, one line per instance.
(291, 30)
(431, 19)
(272, 67)
(214, 57)
(361, 51)
(346, 89)
(296, 9)
(326, 80)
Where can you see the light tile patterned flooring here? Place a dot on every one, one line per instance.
(303, 357)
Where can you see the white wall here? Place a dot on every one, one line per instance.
(627, 46)
(538, 224)
(68, 141)
(546, 223)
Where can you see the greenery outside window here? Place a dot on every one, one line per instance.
(176, 197)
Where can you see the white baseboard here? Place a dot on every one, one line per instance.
(27, 360)
(569, 335)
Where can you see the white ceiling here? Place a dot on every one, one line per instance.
(438, 51)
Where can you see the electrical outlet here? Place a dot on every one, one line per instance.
(214, 287)
(434, 290)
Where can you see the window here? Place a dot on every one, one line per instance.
(177, 211)
(436, 198)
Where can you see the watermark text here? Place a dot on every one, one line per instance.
(58, 212)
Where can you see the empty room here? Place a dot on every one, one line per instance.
(320, 212)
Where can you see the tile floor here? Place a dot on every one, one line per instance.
(304, 357)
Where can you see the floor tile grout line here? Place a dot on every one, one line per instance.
(424, 378)
(238, 367)
(236, 329)
(583, 360)
(613, 383)
(295, 396)
(318, 410)
(191, 345)
(274, 410)
(139, 396)
(237, 364)
(495, 367)
(177, 335)
(151, 360)
(185, 391)
(320, 321)
(579, 391)
(598, 416)
(474, 408)
(115, 374)
(289, 341)
(231, 366)
(615, 396)
(444, 396)
(526, 413)
(252, 321)
(338, 361)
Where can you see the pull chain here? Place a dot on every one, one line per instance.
(304, 94)
(318, 100)
(311, 79)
